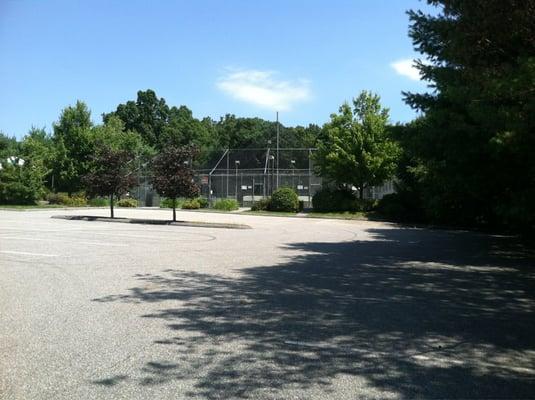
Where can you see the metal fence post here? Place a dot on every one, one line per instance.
(210, 189)
(228, 169)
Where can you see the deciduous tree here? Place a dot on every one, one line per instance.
(73, 147)
(354, 148)
(172, 175)
(112, 174)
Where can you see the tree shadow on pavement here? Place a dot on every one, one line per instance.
(411, 313)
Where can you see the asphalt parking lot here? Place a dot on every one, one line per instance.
(293, 308)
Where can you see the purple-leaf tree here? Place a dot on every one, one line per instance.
(172, 176)
(112, 174)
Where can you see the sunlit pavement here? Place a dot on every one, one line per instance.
(292, 308)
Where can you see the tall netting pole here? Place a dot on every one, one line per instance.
(309, 177)
(278, 149)
(210, 189)
(228, 168)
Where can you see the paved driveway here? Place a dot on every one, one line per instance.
(292, 309)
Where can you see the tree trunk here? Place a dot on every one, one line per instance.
(174, 210)
(361, 192)
(111, 205)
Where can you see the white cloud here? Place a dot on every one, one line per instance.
(406, 68)
(263, 89)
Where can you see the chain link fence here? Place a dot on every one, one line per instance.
(249, 175)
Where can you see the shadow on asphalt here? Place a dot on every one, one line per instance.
(413, 313)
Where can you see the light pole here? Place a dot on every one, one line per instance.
(277, 150)
(237, 164)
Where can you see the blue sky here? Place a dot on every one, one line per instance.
(250, 58)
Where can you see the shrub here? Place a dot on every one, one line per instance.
(366, 204)
(328, 200)
(403, 206)
(98, 202)
(203, 202)
(322, 200)
(16, 193)
(127, 203)
(340, 200)
(64, 199)
(261, 205)
(76, 201)
(168, 203)
(226, 204)
(57, 198)
(21, 185)
(284, 199)
(192, 204)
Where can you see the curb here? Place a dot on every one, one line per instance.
(151, 221)
(52, 208)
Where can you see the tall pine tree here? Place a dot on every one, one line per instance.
(476, 141)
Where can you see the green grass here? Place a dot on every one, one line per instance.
(271, 213)
(19, 207)
(339, 215)
(22, 207)
(314, 214)
(208, 210)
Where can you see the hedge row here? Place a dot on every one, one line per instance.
(186, 204)
(340, 200)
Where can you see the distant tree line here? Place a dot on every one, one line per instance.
(465, 161)
(147, 126)
(144, 127)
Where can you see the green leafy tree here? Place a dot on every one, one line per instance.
(8, 146)
(234, 132)
(73, 147)
(297, 137)
(247, 133)
(148, 116)
(38, 148)
(183, 129)
(475, 144)
(112, 174)
(301, 136)
(121, 157)
(160, 125)
(172, 176)
(21, 181)
(112, 134)
(354, 148)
